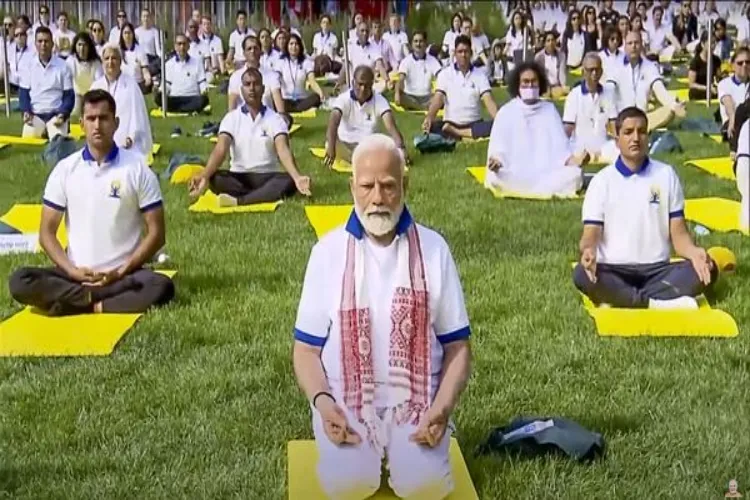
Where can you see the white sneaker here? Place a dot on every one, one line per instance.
(685, 302)
(227, 201)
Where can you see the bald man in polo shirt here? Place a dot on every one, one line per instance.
(633, 215)
(107, 196)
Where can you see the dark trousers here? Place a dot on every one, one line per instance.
(52, 291)
(481, 128)
(250, 188)
(632, 286)
(191, 104)
(415, 102)
(300, 105)
(154, 66)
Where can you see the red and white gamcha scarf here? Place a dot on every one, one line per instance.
(409, 346)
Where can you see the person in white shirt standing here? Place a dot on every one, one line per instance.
(101, 190)
(397, 39)
(114, 34)
(148, 38)
(417, 72)
(185, 79)
(382, 341)
(633, 210)
(63, 37)
(461, 89)
(213, 50)
(45, 95)
(235, 55)
(590, 113)
(297, 73)
(263, 168)
(733, 90)
(634, 81)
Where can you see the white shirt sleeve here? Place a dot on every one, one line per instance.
(67, 78)
(219, 45)
(54, 191)
(235, 83)
(571, 108)
(278, 127)
(381, 105)
(743, 141)
(403, 66)
(676, 197)
(274, 80)
(149, 192)
(595, 200)
(202, 85)
(341, 103)
(228, 124)
(452, 321)
(483, 84)
(313, 322)
(442, 82)
(308, 67)
(723, 88)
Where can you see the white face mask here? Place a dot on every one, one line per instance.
(529, 93)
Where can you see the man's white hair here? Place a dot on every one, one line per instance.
(112, 47)
(375, 143)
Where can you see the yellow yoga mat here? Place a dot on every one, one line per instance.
(400, 109)
(339, 165)
(292, 130)
(22, 141)
(157, 113)
(717, 138)
(30, 333)
(705, 322)
(310, 113)
(3, 146)
(76, 131)
(324, 218)
(682, 94)
(478, 173)
(155, 149)
(27, 218)
(717, 214)
(303, 483)
(683, 80)
(576, 72)
(184, 173)
(720, 167)
(209, 203)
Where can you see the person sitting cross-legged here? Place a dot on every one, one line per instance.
(258, 140)
(107, 196)
(382, 341)
(529, 152)
(355, 115)
(462, 89)
(417, 71)
(633, 210)
(553, 60)
(185, 79)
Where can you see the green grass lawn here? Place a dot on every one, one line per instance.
(199, 398)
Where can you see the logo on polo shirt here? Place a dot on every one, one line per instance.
(114, 189)
(655, 195)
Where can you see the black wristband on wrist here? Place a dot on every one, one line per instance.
(322, 393)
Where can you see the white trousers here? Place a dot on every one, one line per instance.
(561, 181)
(601, 151)
(743, 185)
(38, 127)
(353, 472)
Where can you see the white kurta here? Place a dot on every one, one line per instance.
(132, 112)
(743, 174)
(531, 144)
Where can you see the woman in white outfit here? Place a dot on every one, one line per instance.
(85, 67)
(573, 39)
(134, 59)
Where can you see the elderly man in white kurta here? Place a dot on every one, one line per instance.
(742, 173)
(382, 341)
(529, 152)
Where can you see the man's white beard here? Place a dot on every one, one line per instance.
(381, 223)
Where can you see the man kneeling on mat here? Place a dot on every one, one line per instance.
(633, 209)
(381, 341)
(257, 138)
(107, 195)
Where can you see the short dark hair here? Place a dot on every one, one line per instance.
(249, 37)
(740, 50)
(419, 32)
(99, 95)
(631, 112)
(86, 38)
(42, 30)
(359, 70)
(325, 16)
(254, 72)
(62, 14)
(241, 12)
(462, 40)
(514, 79)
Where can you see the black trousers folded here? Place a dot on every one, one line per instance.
(183, 104)
(481, 128)
(300, 105)
(52, 291)
(251, 187)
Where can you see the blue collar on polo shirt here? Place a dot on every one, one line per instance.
(736, 81)
(210, 37)
(87, 156)
(177, 57)
(455, 66)
(626, 172)
(585, 90)
(245, 109)
(354, 96)
(355, 228)
(423, 58)
(363, 44)
(243, 33)
(626, 60)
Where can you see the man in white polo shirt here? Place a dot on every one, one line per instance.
(733, 90)
(382, 341)
(236, 54)
(107, 196)
(462, 89)
(263, 168)
(355, 115)
(417, 71)
(397, 39)
(663, 44)
(212, 49)
(45, 95)
(362, 52)
(636, 78)
(590, 114)
(633, 210)
(185, 80)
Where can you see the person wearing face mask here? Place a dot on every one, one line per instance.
(374, 398)
(134, 131)
(529, 152)
(633, 214)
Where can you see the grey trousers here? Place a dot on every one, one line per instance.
(481, 128)
(415, 102)
(252, 187)
(631, 286)
(193, 104)
(51, 290)
(300, 105)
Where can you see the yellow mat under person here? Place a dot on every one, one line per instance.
(157, 113)
(27, 218)
(209, 202)
(717, 214)
(400, 109)
(307, 114)
(339, 165)
(303, 481)
(22, 141)
(324, 218)
(30, 333)
(721, 166)
(478, 173)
